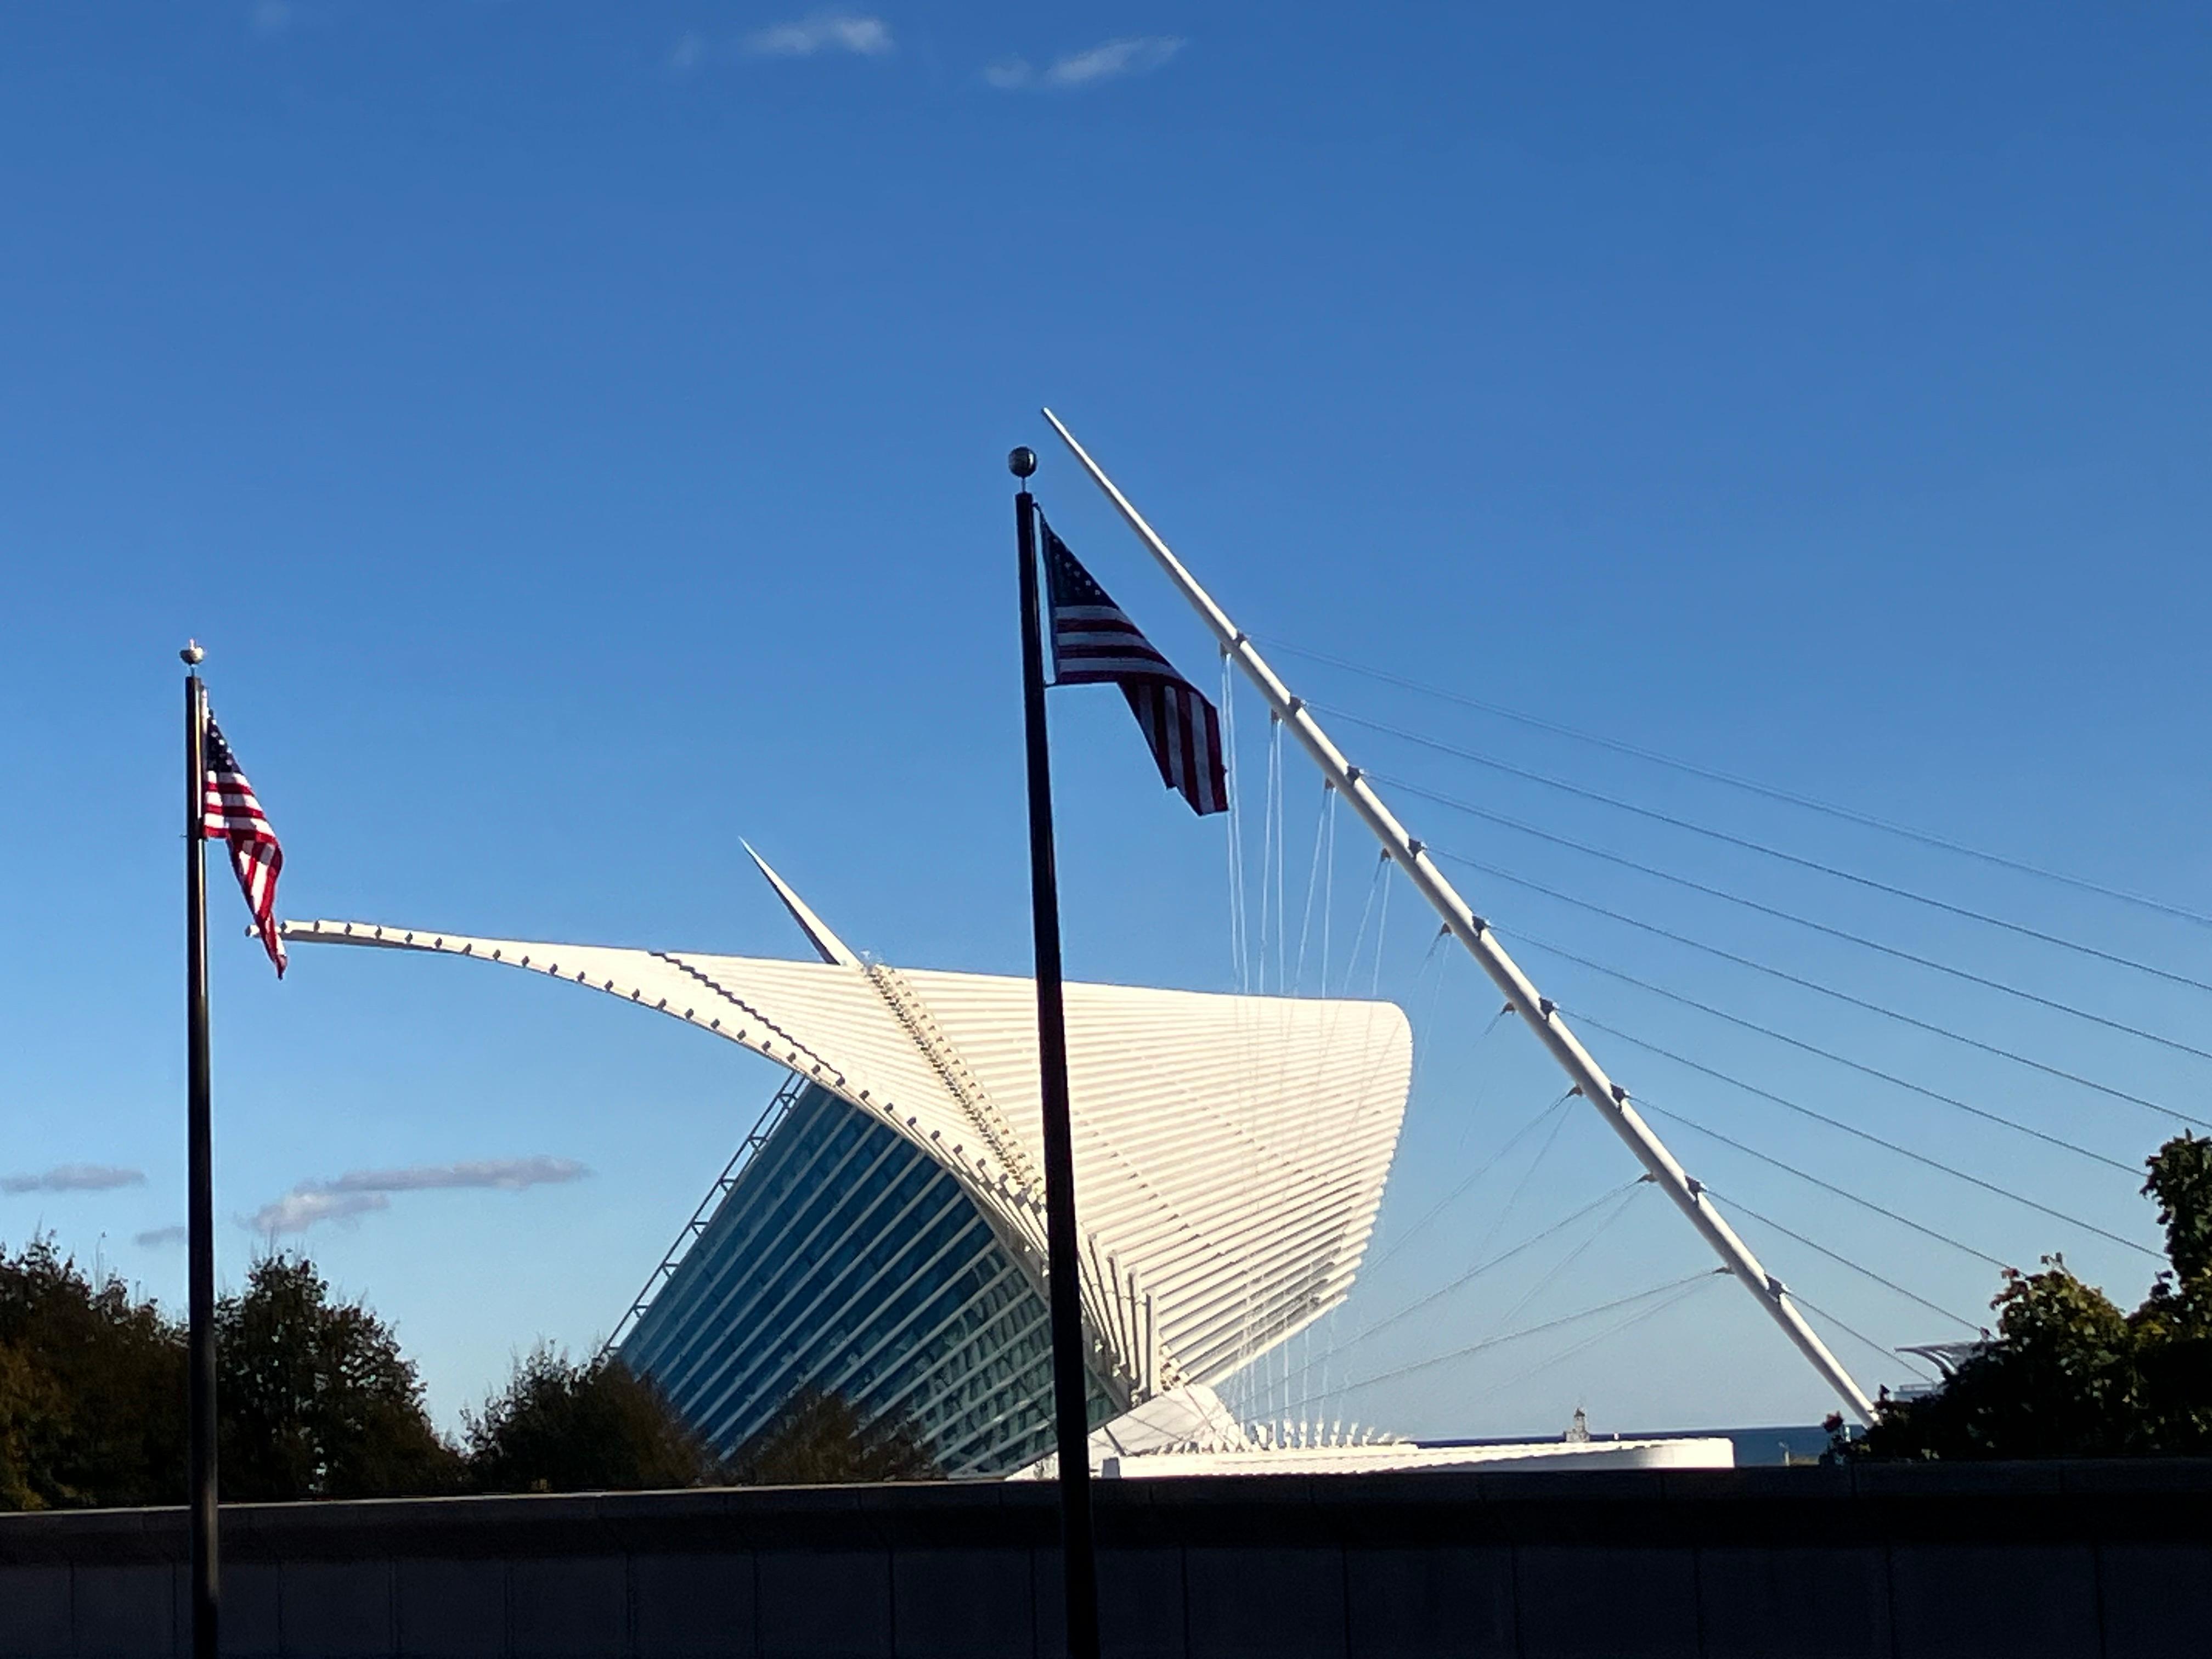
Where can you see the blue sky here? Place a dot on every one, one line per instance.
(577, 433)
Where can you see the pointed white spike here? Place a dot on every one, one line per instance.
(831, 949)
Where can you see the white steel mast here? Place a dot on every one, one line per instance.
(1541, 1016)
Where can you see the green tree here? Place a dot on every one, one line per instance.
(2069, 1373)
(824, 1439)
(92, 1388)
(596, 1427)
(29, 1402)
(316, 1399)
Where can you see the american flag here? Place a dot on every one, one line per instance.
(1093, 643)
(230, 812)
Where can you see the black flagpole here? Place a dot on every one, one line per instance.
(207, 1572)
(1071, 1414)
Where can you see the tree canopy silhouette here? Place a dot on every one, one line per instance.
(2069, 1373)
(92, 1388)
(824, 1439)
(316, 1399)
(595, 1427)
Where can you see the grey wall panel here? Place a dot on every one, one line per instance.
(2067, 1560)
(125, 1612)
(1284, 1601)
(1424, 1603)
(968, 1603)
(1836, 1601)
(338, 1610)
(1606, 1601)
(561, 1607)
(2141, 1589)
(1142, 1614)
(252, 1623)
(1142, 1608)
(34, 1610)
(453, 1609)
(693, 1607)
(2141, 1586)
(2024, 1601)
(825, 1604)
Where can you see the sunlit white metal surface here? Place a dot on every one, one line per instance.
(1231, 1151)
(1187, 1430)
(826, 944)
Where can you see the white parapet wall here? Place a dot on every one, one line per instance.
(1189, 1431)
(1713, 1453)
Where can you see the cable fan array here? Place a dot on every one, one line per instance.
(1950, 1068)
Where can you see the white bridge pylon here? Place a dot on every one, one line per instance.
(1607, 1097)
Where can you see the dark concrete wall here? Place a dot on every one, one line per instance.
(2105, 1560)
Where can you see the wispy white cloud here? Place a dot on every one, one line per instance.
(508, 1174)
(73, 1178)
(825, 31)
(303, 1207)
(161, 1237)
(360, 1192)
(1137, 54)
(272, 17)
(688, 53)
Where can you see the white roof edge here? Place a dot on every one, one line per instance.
(1019, 1218)
(829, 1022)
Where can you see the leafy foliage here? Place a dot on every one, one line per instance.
(595, 1427)
(2069, 1373)
(92, 1388)
(824, 1439)
(316, 1399)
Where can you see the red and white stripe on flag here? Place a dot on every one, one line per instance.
(1094, 643)
(230, 812)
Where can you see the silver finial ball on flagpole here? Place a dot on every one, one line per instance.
(1022, 462)
(192, 654)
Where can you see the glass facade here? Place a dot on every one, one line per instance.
(845, 1258)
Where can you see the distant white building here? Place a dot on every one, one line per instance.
(882, 1234)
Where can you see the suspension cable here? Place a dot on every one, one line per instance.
(1645, 1104)
(1897, 1354)
(1867, 1136)
(1504, 1256)
(1560, 1267)
(1735, 780)
(1451, 1197)
(1533, 1330)
(1815, 986)
(1683, 1294)
(1729, 839)
(1836, 1256)
(1779, 914)
(1565, 955)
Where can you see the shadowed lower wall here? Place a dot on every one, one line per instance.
(2112, 1559)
